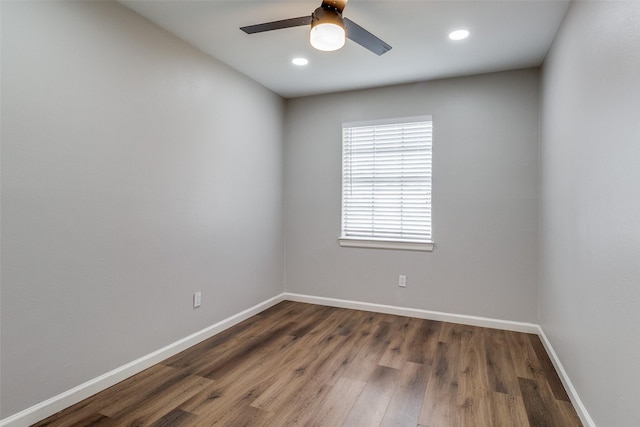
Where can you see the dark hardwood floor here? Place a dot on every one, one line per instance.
(310, 365)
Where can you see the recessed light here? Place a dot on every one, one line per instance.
(459, 34)
(300, 61)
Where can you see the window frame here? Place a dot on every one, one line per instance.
(387, 243)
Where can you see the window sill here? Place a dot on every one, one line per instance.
(386, 244)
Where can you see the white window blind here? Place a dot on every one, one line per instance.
(386, 184)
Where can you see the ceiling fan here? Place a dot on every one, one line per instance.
(328, 28)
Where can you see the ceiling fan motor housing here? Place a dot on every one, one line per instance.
(327, 29)
(324, 15)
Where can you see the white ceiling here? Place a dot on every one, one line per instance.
(504, 35)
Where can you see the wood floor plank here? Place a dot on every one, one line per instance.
(215, 343)
(301, 364)
(337, 403)
(346, 355)
(349, 323)
(89, 407)
(568, 413)
(294, 379)
(406, 401)
(159, 403)
(402, 340)
(366, 361)
(500, 371)
(507, 411)
(439, 410)
(525, 360)
(473, 381)
(247, 335)
(474, 411)
(444, 373)
(311, 321)
(236, 357)
(313, 351)
(303, 406)
(550, 373)
(372, 402)
(176, 418)
(96, 420)
(446, 333)
(239, 416)
(425, 342)
(155, 384)
(538, 413)
(440, 403)
(245, 383)
(340, 360)
(542, 408)
(286, 311)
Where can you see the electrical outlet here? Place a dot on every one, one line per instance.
(197, 299)
(402, 281)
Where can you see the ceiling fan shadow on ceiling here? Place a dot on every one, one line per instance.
(328, 29)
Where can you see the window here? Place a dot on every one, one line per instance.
(386, 184)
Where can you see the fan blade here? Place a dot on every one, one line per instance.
(337, 5)
(364, 38)
(277, 25)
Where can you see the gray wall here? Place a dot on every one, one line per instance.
(590, 206)
(130, 180)
(485, 198)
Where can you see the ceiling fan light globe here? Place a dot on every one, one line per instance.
(327, 37)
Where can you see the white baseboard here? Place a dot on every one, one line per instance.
(68, 398)
(486, 322)
(568, 385)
